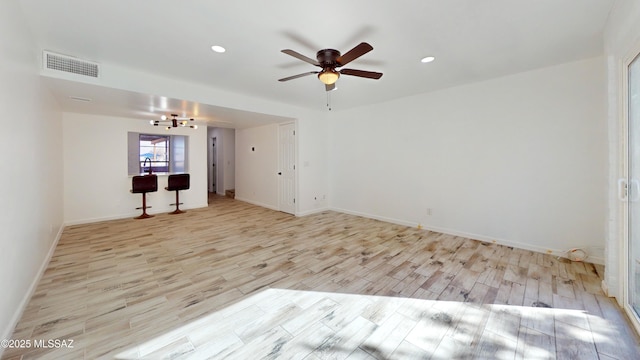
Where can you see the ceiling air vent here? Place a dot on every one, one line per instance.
(68, 64)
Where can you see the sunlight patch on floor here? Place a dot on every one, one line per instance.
(281, 323)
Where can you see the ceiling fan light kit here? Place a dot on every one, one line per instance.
(329, 76)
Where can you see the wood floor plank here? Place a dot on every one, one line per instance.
(238, 281)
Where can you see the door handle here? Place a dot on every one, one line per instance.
(622, 190)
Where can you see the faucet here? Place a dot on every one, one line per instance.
(145, 163)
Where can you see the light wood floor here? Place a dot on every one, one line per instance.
(242, 282)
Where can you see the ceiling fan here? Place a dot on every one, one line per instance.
(329, 60)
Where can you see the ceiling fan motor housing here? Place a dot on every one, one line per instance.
(328, 57)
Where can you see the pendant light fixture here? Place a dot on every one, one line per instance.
(174, 122)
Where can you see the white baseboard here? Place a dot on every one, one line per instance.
(99, 219)
(312, 211)
(153, 211)
(32, 289)
(505, 242)
(605, 288)
(376, 217)
(257, 203)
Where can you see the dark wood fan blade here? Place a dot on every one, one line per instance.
(297, 55)
(354, 53)
(361, 73)
(330, 87)
(298, 76)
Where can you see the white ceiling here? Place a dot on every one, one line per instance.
(472, 41)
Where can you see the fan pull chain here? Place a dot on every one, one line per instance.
(329, 100)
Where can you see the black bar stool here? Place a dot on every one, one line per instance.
(142, 185)
(176, 183)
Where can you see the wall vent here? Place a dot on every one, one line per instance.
(68, 64)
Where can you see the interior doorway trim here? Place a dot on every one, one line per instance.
(626, 192)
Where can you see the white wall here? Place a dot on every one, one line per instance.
(31, 180)
(313, 176)
(311, 124)
(622, 39)
(257, 165)
(519, 159)
(256, 180)
(96, 184)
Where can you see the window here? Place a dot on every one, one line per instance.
(163, 153)
(154, 153)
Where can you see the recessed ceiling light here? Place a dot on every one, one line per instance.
(427, 59)
(218, 49)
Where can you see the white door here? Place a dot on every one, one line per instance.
(633, 185)
(287, 168)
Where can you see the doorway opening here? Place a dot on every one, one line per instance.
(214, 160)
(221, 160)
